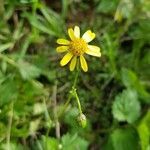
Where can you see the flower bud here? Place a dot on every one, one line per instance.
(82, 120)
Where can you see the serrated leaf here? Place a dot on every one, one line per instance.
(49, 143)
(73, 142)
(126, 107)
(123, 139)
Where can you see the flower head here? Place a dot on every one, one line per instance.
(77, 47)
(82, 120)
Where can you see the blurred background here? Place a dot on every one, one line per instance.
(114, 94)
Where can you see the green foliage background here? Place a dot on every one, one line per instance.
(115, 93)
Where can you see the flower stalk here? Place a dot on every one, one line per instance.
(77, 100)
(73, 93)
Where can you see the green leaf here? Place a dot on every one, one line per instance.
(126, 107)
(141, 30)
(144, 131)
(65, 8)
(34, 125)
(4, 66)
(49, 143)
(3, 47)
(13, 146)
(8, 91)
(123, 139)
(28, 71)
(27, 1)
(73, 142)
(130, 80)
(125, 8)
(103, 6)
(54, 21)
(37, 23)
(2, 77)
(33, 88)
(3, 130)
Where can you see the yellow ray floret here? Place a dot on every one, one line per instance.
(77, 47)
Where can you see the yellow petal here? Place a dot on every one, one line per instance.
(77, 31)
(93, 50)
(73, 63)
(71, 34)
(63, 41)
(61, 49)
(83, 64)
(88, 36)
(66, 59)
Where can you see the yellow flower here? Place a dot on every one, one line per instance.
(77, 47)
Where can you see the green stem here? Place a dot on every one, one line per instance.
(78, 101)
(48, 119)
(71, 92)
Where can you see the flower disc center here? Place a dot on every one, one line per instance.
(78, 47)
